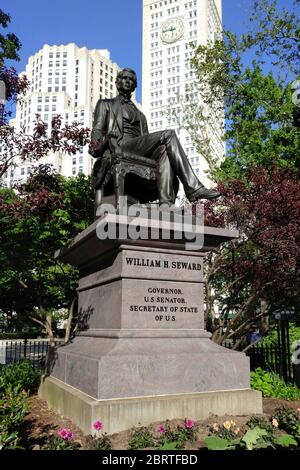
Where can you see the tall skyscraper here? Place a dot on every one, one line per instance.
(65, 80)
(171, 30)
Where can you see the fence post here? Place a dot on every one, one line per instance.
(25, 347)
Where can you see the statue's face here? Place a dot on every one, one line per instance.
(126, 83)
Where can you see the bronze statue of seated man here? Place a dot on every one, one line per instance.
(119, 124)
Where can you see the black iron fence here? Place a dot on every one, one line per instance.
(273, 358)
(12, 351)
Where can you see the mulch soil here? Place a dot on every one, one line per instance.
(41, 422)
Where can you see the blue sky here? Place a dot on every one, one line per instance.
(97, 24)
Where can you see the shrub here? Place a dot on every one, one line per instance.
(13, 409)
(63, 441)
(22, 374)
(30, 334)
(288, 420)
(141, 438)
(175, 438)
(272, 385)
(100, 442)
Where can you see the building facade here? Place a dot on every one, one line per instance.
(66, 80)
(171, 30)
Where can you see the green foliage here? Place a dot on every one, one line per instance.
(22, 375)
(227, 431)
(272, 385)
(9, 440)
(276, 34)
(294, 335)
(13, 409)
(286, 441)
(30, 334)
(255, 438)
(140, 438)
(219, 443)
(51, 211)
(288, 420)
(56, 443)
(169, 445)
(101, 443)
(176, 437)
(170, 438)
(257, 421)
(9, 43)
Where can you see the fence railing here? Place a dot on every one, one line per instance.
(12, 351)
(272, 358)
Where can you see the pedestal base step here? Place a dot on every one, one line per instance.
(124, 413)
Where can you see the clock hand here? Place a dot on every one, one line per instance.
(171, 29)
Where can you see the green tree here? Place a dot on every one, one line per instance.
(9, 43)
(249, 279)
(46, 213)
(256, 103)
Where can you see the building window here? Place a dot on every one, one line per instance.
(63, 88)
(73, 171)
(49, 89)
(74, 160)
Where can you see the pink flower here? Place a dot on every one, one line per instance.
(189, 424)
(98, 425)
(65, 434)
(161, 429)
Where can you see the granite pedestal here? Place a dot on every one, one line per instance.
(142, 348)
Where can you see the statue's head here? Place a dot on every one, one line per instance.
(121, 78)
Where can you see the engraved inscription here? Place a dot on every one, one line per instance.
(165, 303)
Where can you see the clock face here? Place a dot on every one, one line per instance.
(172, 30)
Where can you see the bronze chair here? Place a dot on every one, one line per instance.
(120, 173)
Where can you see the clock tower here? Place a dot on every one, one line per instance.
(170, 29)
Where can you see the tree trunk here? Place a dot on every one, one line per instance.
(265, 321)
